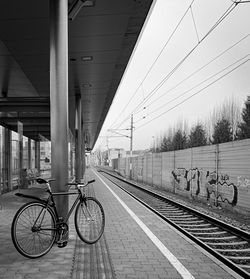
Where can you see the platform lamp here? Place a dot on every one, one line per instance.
(77, 5)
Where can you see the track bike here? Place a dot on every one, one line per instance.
(36, 226)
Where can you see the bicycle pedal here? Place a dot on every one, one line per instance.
(62, 244)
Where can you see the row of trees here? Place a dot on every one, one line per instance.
(226, 123)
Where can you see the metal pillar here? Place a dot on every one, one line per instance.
(1, 156)
(78, 148)
(20, 156)
(29, 153)
(7, 157)
(83, 156)
(59, 99)
(37, 155)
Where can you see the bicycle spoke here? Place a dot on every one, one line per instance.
(89, 220)
(33, 230)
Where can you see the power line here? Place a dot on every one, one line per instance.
(196, 93)
(159, 85)
(156, 59)
(200, 83)
(198, 70)
(195, 27)
(240, 1)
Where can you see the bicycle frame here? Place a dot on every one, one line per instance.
(44, 227)
(51, 202)
(81, 197)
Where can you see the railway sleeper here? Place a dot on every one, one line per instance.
(212, 234)
(196, 223)
(225, 238)
(245, 266)
(232, 252)
(197, 226)
(183, 217)
(202, 230)
(179, 214)
(238, 259)
(228, 244)
(172, 211)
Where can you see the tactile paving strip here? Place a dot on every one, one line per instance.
(92, 261)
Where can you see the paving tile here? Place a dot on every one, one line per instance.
(131, 249)
(124, 251)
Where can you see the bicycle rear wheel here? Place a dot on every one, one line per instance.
(89, 220)
(33, 229)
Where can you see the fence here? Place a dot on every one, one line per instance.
(218, 174)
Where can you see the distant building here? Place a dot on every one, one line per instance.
(135, 153)
(115, 153)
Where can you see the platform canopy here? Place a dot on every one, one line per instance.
(102, 37)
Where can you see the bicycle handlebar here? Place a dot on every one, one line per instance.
(81, 184)
(91, 181)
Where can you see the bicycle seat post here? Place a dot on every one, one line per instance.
(48, 185)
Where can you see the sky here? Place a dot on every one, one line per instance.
(185, 64)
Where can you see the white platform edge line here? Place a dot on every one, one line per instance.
(163, 249)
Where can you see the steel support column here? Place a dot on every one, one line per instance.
(29, 153)
(78, 148)
(37, 155)
(7, 158)
(83, 156)
(59, 99)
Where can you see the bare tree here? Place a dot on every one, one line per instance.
(229, 110)
(98, 154)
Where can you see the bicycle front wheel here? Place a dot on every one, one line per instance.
(89, 220)
(33, 229)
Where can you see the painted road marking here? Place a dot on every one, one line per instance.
(172, 259)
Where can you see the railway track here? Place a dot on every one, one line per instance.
(227, 243)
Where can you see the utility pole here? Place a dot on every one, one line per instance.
(131, 147)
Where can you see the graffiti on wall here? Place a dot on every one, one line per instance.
(219, 187)
(215, 186)
(184, 177)
(243, 182)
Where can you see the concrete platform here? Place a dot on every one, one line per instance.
(136, 244)
(141, 245)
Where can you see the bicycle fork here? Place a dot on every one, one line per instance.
(88, 216)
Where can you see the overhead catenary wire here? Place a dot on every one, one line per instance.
(195, 26)
(200, 83)
(217, 23)
(198, 40)
(197, 70)
(194, 94)
(159, 85)
(156, 59)
(189, 90)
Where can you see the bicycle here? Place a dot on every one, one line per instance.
(36, 226)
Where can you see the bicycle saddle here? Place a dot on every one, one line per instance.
(41, 181)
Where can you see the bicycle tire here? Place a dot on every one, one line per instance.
(89, 220)
(29, 238)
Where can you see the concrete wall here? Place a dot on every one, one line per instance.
(218, 174)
